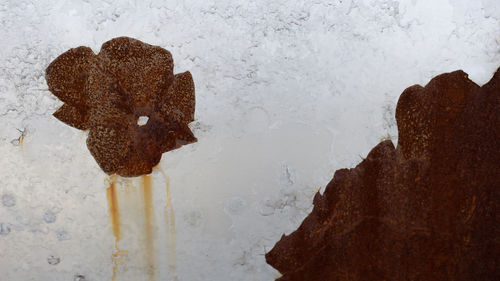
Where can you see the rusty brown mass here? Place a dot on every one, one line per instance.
(108, 92)
(426, 210)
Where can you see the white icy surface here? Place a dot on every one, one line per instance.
(287, 92)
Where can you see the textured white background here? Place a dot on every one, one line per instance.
(287, 92)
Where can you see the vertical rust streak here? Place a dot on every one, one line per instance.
(21, 141)
(114, 214)
(170, 232)
(149, 220)
(170, 208)
(117, 258)
(169, 214)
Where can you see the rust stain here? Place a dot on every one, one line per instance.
(170, 231)
(170, 210)
(169, 214)
(21, 141)
(114, 213)
(78, 72)
(129, 188)
(117, 257)
(427, 203)
(149, 221)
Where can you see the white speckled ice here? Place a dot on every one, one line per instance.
(287, 92)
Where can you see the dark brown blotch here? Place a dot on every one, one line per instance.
(107, 93)
(426, 210)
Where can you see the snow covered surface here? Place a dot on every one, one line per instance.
(287, 92)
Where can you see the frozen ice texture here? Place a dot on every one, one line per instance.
(8, 200)
(49, 216)
(301, 83)
(53, 260)
(4, 228)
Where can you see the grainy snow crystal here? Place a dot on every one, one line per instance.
(287, 92)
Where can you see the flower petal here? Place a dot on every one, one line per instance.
(180, 99)
(73, 116)
(108, 100)
(144, 70)
(67, 75)
(183, 136)
(109, 144)
(108, 92)
(135, 164)
(178, 135)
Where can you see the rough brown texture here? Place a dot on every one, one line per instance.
(426, 210)
(107, 93)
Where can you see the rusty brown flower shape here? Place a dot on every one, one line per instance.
(424, 210)
(108, 92)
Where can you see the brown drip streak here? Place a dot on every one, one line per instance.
(114, 211)
(149, 220)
